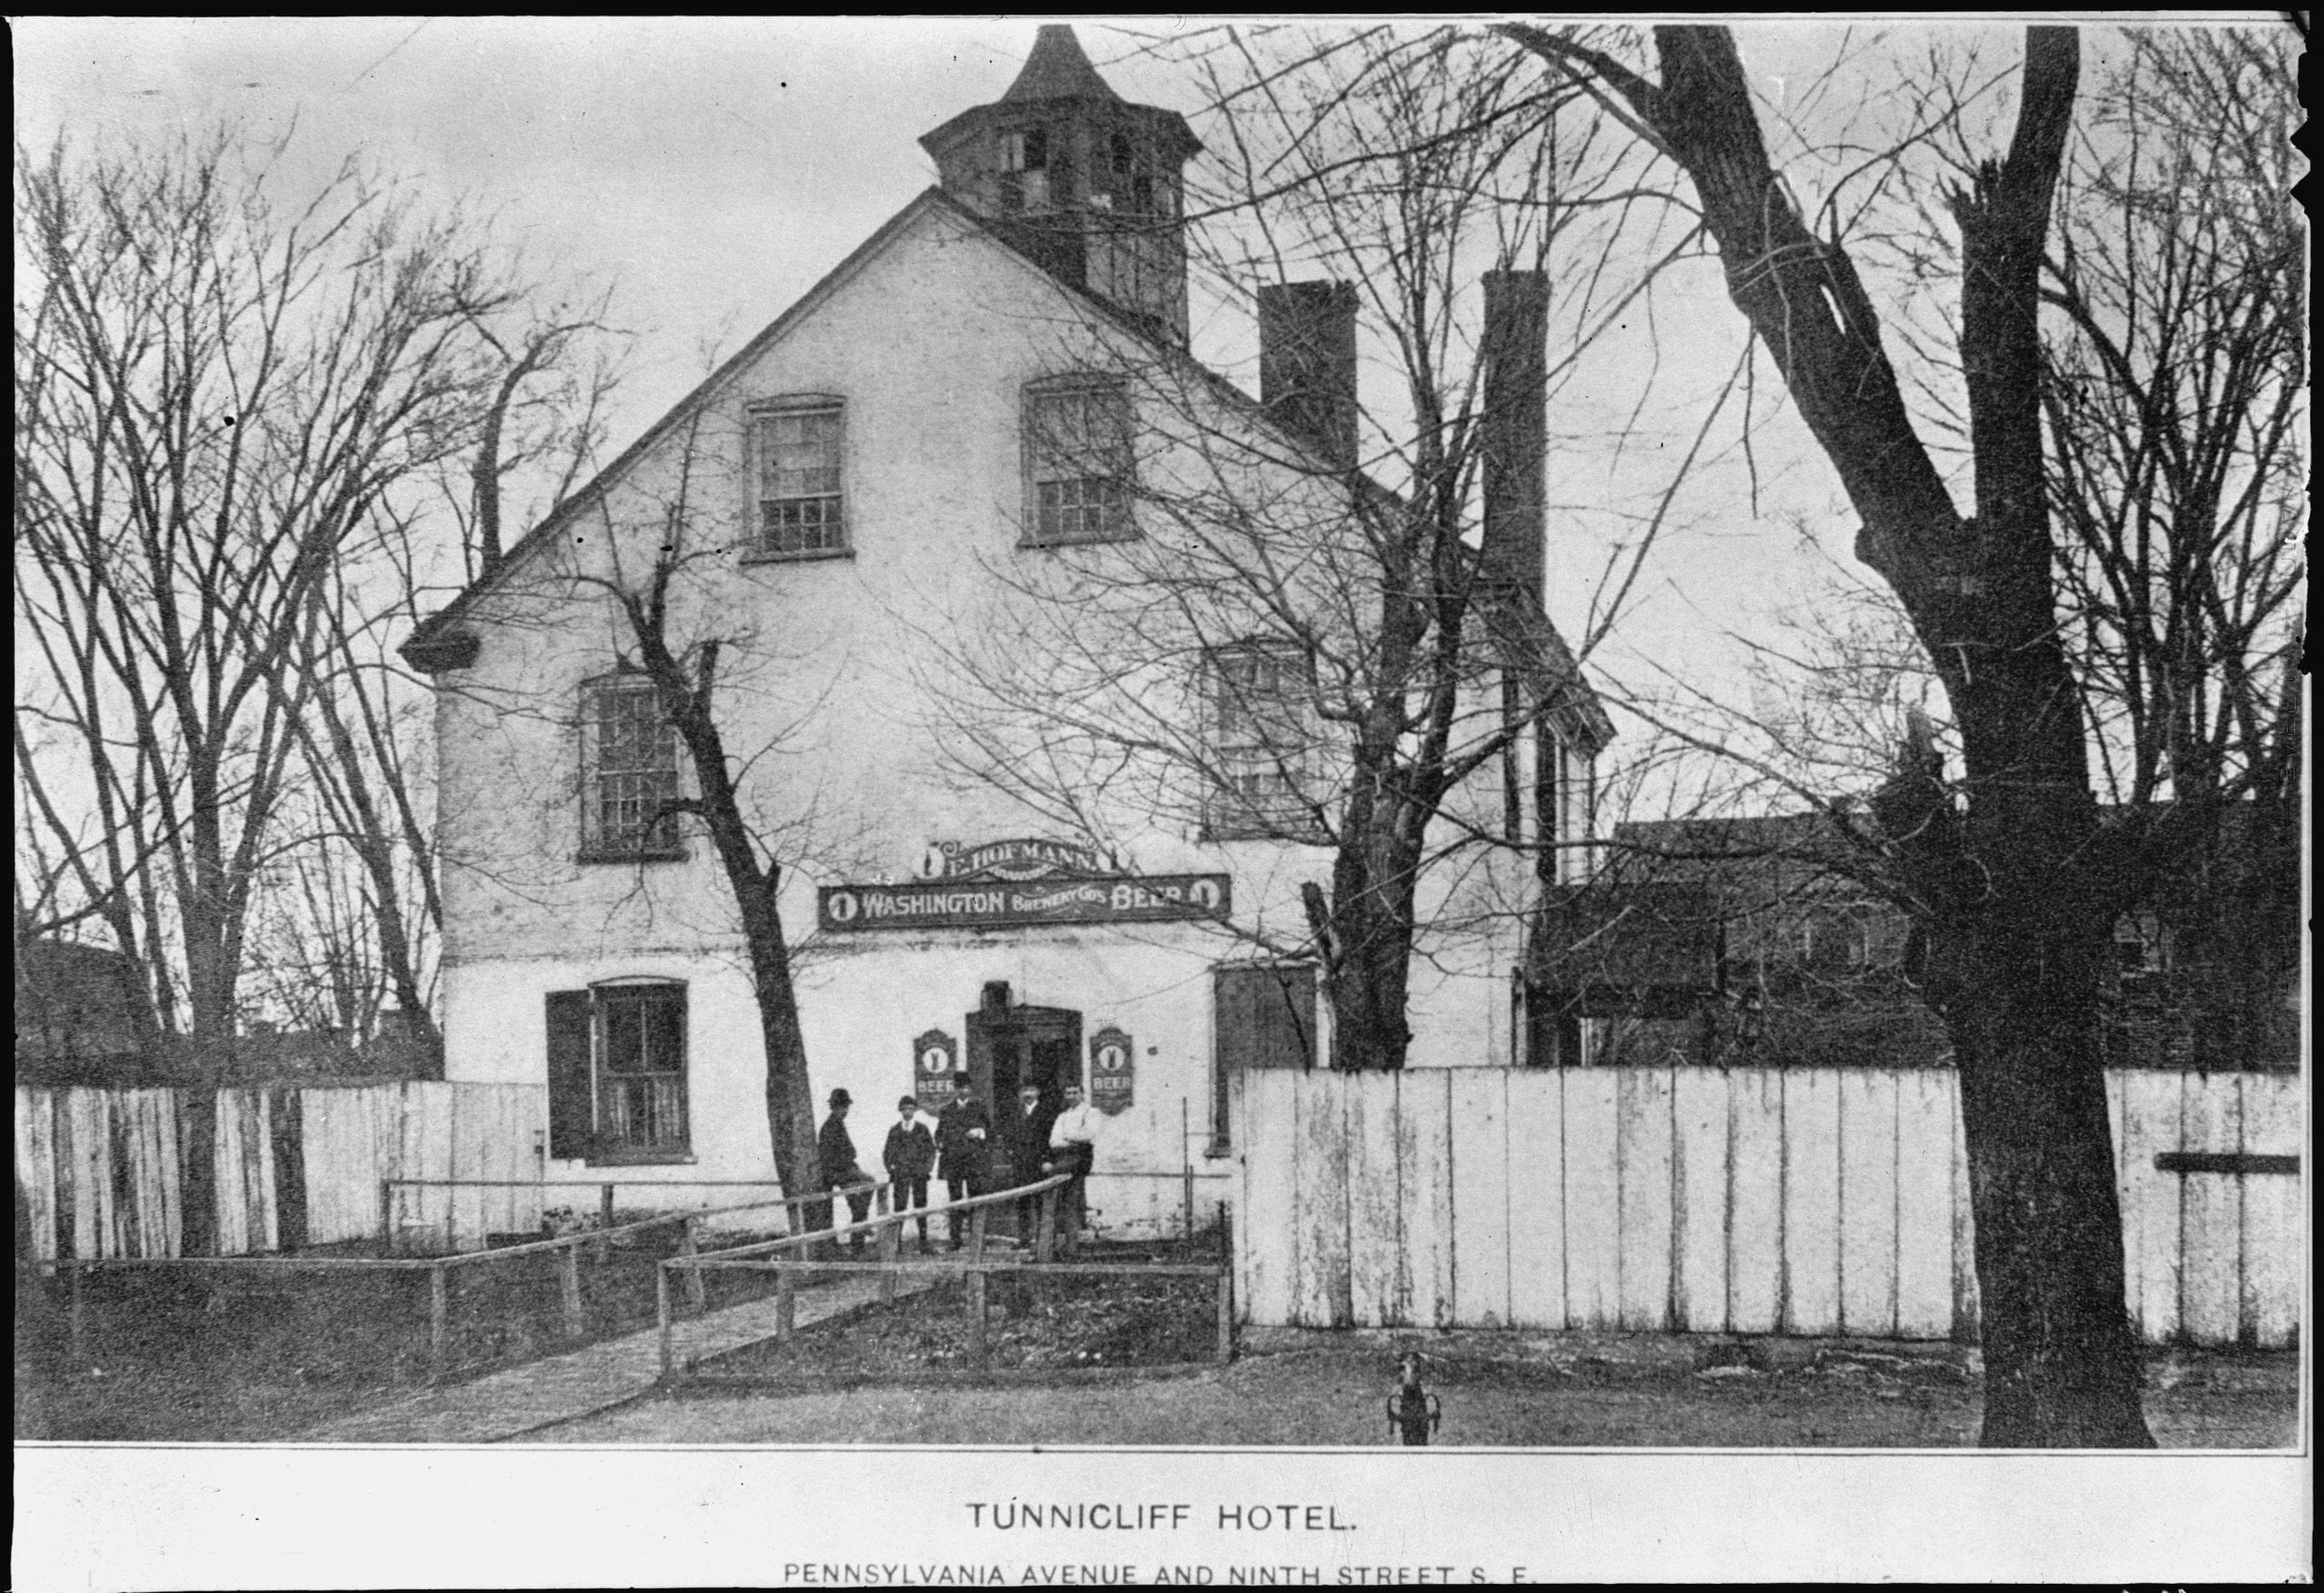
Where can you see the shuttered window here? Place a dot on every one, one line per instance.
(1263, 1016)
(618, 1072)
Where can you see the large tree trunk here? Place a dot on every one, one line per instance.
(2061, 1367)
(789, 1097)
(2011, 908)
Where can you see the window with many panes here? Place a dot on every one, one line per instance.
(618, 1072)
(801, 504)
(1078, 464)
(629, 771)
(1262, 742)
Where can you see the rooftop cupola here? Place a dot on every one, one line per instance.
(1084, 181)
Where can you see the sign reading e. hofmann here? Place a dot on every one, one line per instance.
(1139, 900)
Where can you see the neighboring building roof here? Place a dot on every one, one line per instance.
(77, 1017)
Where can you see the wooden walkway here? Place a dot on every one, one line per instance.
(559, 1388)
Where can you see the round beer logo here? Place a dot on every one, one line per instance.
(1111, 1059)
(842, 906)
(936, 1061)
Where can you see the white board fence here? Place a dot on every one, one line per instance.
(1707, 1200)
(102, 1170)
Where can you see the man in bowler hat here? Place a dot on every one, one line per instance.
(836, 1160)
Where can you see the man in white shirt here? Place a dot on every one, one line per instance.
(1072, 1142)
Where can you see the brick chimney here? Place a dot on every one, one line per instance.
(1307, 365)
(1516, 422)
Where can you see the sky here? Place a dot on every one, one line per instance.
(713, 169)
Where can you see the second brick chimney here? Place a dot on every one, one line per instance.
(1516, 423)
(1307, 365)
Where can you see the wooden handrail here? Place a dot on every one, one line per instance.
(887, 1219)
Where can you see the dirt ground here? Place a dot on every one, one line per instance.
(249, 1356)
(1303, 1389)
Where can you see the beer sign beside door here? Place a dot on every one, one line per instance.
(1113, 1070)
(934, 1060)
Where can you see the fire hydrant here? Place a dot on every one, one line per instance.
(1412, 1410)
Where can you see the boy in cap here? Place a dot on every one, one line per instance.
(909, 1156)
(963, 1140)
(836, 1160)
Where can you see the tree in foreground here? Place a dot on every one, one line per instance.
(690, 669)
(2013, 879)
(1319, 623)
(227, 393)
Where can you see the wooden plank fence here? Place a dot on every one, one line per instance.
(101, 1169)
(1743, 1200)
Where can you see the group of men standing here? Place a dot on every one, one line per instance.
(964, 1151)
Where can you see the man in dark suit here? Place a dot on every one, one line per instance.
(910, 1153)
(1029, 1156)
(836, 1160)
(963, 1147)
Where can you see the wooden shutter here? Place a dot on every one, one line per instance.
(570, 1120)
(1264, 1018)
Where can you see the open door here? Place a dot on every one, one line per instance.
(1010, 1046)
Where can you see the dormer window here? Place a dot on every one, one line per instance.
(800, 458)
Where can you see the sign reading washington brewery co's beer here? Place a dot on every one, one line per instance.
(1028, 881)
(1141, 898)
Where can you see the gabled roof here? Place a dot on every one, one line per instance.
(433, 631)
(1532, 640)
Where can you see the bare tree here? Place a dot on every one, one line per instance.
(1302, 622)
(222, 393)
(2013, 879)
(650, 550)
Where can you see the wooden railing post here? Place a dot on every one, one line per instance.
(1226, 1317)
(977, 1352)
(80, 1334)
(661, 1316)
(1045, 1246)
(438, 1313)
(605, 1223)
(576, 1324)
(386, 1216)
(786, 1301)
(976, 1233)
(890, 1241)
(696, 1301)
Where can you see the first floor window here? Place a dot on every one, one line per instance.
(1262, 1014)
(618, 1072)
(629, 771)
(1077, 463)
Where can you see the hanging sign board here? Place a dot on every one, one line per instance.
(1113, 1070)
(934, 1060)
(1142, 899)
